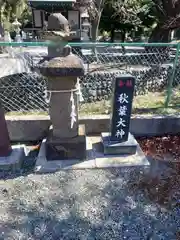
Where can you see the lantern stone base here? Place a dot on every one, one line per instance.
(114, 148)
(45, 166)
(71, 148)
(14, 161)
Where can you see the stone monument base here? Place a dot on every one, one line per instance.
(65, 149)
(14, 161)
(95, 159)
(115, 148)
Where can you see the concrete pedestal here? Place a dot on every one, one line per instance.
(66, 148)
(95, 158)
(13, 162)
(114, 148)
(45, 166)
(10, 157)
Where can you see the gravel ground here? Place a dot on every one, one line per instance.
(89, 204)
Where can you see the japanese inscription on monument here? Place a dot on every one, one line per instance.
(121, 107)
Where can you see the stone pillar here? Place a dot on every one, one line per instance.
(120, 140)
(11, 158)
(63, 103)
(5, 145)
(67, 139)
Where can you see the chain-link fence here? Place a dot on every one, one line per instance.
(155, 66)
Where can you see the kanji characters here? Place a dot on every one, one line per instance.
(120, 133)
(129, 83)
(123, 98)
(121, 84)
(120, 123)
(122, 110)
(122, 104)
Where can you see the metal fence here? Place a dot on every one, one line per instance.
(156, 67)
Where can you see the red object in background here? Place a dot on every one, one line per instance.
(5, 145)
(121, 83)
(129, 83)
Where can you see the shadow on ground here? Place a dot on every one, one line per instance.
(88, 204)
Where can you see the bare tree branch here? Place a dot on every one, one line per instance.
(159, 7)
(172, 23)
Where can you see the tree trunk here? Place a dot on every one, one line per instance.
(94, 34)
(95, 22)
(123, 35)
(1, 28)
(95, 28)
(112, 34)
(123, 38)
(160, 35)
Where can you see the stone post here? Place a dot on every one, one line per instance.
(63, 103)
(11, 158)
(119, 140)
(5, 145)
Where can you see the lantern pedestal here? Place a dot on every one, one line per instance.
(115, 148)
(66, 148)
(57, 153)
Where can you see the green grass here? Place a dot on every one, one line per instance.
(149, 104)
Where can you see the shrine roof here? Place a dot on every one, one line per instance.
(50, 1)
(44, 4)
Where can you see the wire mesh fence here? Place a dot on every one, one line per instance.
(155, 66)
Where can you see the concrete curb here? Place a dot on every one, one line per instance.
(34, 128)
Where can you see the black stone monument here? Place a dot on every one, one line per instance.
(119, 140)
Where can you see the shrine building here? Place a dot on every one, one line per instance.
(78, 18)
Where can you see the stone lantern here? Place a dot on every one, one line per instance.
(86, 31)
(85, 25)
(66, 138)
(16, 25)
